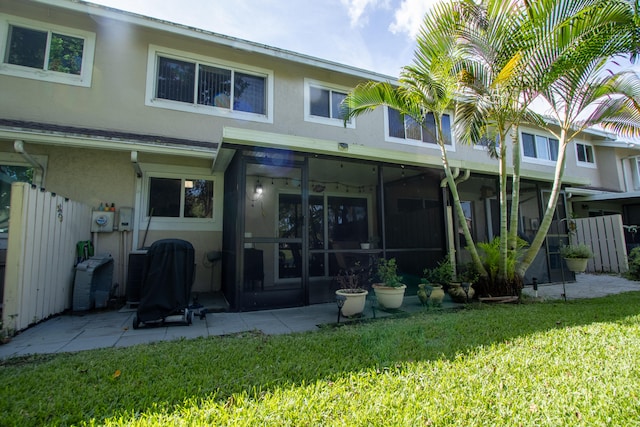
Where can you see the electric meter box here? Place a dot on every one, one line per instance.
(102, 221)
(126, 219)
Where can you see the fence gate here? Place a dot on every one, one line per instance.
(41, 249)
(605, 235)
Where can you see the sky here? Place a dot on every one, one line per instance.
(375, 35)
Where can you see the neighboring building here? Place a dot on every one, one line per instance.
(239, 147)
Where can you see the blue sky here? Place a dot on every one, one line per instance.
(376, 35)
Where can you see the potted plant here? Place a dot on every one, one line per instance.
(437, 278)
(576, 256)
(350, 288)
(390, 289)
(441, 274)
(370, 244)
(461, 290)
(430, 293)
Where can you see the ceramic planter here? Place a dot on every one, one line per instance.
(437, 295)
(389, 297)
(354, 302)
(458, 294)
(577, 265)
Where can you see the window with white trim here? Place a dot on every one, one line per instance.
(406, 128)
(208, 86)
(323, 103)
(180, 198)
(47, 52)
(584, 154)
(539, 147)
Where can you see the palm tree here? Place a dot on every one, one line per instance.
(493, 102)
(489, 61)
(570, 71)
(429, 85)
(557, 52)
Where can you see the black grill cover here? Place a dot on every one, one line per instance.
(167, 280)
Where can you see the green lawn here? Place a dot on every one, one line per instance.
(539, 364)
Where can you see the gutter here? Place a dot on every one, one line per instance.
(18, 146)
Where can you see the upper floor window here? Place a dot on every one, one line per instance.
(407, 129)
(323, 103)
(46, 52)
(221, 88)
(539, 147)
(584, 154)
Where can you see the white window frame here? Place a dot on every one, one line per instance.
(586, 146)
(635, 172)
(152, 78)
(537, 137)
(308, 117)
(88, 51)
(179, 224)
(415, 142)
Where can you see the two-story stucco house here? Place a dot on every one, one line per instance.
(239, 147)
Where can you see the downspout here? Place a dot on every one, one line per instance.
(456, 172)
(467, 174)
(448, 217)
(18, 146)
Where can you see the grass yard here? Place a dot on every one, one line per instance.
(541, 364)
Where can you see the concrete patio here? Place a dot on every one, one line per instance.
(113, 328)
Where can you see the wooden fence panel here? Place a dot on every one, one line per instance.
(605, 235)
(41, 253)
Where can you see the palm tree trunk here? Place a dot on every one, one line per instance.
(515, 191)
(502, 268)
(541, 234)
(453, 188)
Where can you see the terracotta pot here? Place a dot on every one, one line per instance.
(389, 297)
(354, 302)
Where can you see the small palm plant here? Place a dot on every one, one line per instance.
(387, 273)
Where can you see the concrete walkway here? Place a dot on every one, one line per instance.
(103, 329)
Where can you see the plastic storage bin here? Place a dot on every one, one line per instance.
(93, 283)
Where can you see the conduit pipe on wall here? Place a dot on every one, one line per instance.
(18, 146)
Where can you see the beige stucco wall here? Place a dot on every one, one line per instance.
(116, 101)
(99, 176)
(116, 98)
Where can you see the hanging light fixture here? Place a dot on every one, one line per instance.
(258, 189)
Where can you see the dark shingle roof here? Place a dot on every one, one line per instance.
(51, 129)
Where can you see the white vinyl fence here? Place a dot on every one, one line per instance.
(44, 229)
(605, 235)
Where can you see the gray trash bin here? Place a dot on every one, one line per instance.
(93, 283)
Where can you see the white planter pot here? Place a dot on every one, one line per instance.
(354, 302)
(389, 297)
(577, 265)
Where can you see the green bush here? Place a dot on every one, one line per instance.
(634, 264)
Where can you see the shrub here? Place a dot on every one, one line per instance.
(634, 264)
